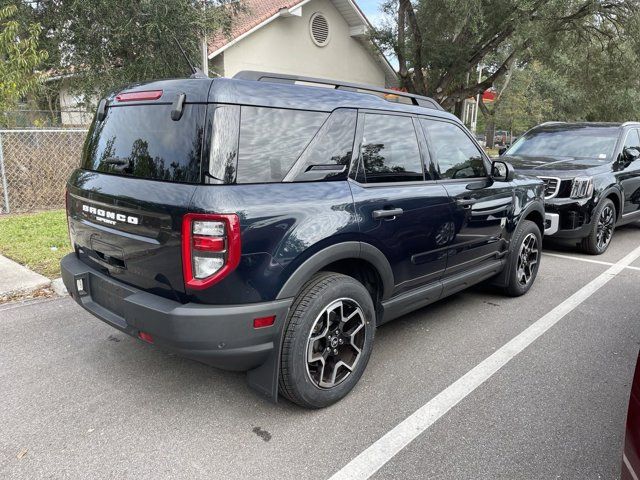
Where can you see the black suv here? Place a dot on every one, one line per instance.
(592, 177)
(264, 225)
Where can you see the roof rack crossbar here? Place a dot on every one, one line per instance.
(418, 100)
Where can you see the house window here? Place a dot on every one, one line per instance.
(319, 29)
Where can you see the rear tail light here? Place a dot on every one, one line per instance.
(210, 248)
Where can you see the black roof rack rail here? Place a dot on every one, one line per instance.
(418, 100)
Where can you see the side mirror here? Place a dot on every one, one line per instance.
(630, 154)
(502, 171)
(501, 150)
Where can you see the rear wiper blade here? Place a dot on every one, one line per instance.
(116, 161)
(119, 164)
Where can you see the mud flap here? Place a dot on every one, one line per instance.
(264, 379)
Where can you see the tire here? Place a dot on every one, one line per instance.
(320, 308)
(524, 259)
(603, 223)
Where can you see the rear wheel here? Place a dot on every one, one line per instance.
(524, 259)
(327, 341)
(603, 225)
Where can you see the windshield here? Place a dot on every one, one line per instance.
(584, 142)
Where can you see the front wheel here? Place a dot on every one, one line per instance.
(603, 225)
(524, 259)
(327, 340)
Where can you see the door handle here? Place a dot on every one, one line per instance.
(391, 212)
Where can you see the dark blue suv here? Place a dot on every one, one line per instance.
(269, 224)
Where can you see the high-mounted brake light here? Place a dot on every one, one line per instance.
(210, 248)
(139, 96)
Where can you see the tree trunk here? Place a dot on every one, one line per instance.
(458, 108)
(490, 129)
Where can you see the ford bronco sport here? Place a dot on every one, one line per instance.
(268, 224)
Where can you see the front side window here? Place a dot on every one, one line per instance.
(390, 150)
(455, 154)
(271, 140)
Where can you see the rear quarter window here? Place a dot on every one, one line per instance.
(142, 141)
(271, 140)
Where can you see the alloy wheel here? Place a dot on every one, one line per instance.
(605, 228)
(527, 259)
(335, 343)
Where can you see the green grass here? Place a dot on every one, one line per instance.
(492, 152)
(37, 240)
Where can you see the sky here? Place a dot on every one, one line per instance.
(371, 9)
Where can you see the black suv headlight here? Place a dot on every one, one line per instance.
(582, 187)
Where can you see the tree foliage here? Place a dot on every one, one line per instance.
(440, 43)
(20, 55)
(98, 45)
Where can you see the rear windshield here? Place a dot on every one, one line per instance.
(575, 141)
(142, 141)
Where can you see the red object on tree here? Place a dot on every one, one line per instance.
(489, 95)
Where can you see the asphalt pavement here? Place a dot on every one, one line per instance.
(79, 399)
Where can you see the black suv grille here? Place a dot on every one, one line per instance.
(552, 186)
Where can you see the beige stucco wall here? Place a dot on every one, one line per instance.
(285, 46)
(72, 112)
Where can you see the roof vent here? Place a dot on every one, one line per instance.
(319, 29)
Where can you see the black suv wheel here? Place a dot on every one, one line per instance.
(602, 227)
(327, 341)
(524, 258)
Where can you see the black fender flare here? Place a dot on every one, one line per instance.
(333, 253)
(500, 280)
(613, 189)
(534, 206)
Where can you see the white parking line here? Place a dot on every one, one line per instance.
(375, 456)
(588, 260)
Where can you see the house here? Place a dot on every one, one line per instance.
(313, 38)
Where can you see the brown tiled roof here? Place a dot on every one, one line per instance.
(255, 12)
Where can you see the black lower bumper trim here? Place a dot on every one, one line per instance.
(222, 336)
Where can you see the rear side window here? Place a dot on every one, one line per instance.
(327, 157)
(271, 140)
(455, 154)
(142, 141)
(390, 150)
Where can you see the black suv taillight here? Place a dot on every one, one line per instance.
(210, 248)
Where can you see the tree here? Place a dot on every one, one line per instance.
(19, 57)
(98, 46)
(438, 43)
(529, 99)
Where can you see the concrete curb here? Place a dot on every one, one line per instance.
(16, 279)
(59, 288)
(18, 282)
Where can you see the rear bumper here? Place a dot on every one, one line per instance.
(222, 336)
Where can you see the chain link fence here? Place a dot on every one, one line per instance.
(35, 165)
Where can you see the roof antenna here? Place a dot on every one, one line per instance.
(195, 71)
